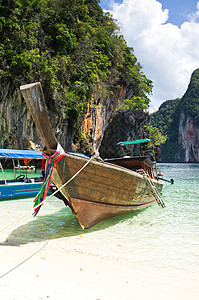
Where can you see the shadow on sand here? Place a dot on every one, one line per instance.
(58, 225)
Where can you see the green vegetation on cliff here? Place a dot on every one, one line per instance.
(190, 101)
(166, 119)
(70, 46)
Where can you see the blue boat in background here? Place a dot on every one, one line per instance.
(20, 186)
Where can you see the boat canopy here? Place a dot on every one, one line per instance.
(13, 153)
(133, 142)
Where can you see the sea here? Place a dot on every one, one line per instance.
(159, 236)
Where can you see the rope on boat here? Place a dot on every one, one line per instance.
(153, 188)
(51, 194)
(51, 164)
(67, 182)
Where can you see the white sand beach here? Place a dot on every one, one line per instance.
(58, 270)
(141, 256)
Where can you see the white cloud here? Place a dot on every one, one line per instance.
(194, 16)
(168, 54)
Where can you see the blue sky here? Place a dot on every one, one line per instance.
(165, 37)
(178, 9)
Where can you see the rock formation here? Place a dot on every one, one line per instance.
(17, 129)
(179, 121)
(125, 126)
(188, 139)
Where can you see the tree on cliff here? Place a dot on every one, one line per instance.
(69, 46)
(74, 49)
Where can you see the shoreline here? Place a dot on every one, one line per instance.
(57, 269)
(150, 255)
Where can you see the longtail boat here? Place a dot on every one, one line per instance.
(94, 189)
(22, 184)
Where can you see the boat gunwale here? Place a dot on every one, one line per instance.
(113, 166)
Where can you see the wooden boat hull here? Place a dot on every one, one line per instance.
(90, 213)
(102, 190)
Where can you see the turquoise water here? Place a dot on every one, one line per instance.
(168, 237)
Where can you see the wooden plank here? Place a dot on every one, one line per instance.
(33, 95)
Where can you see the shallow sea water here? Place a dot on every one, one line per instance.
(168, 237)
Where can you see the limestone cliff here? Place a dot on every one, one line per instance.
(188, 139)
(99, 114)
(77, 51)
(125, 126)
(17, 129)
(179, 121)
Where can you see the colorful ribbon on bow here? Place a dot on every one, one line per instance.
(51, 162)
